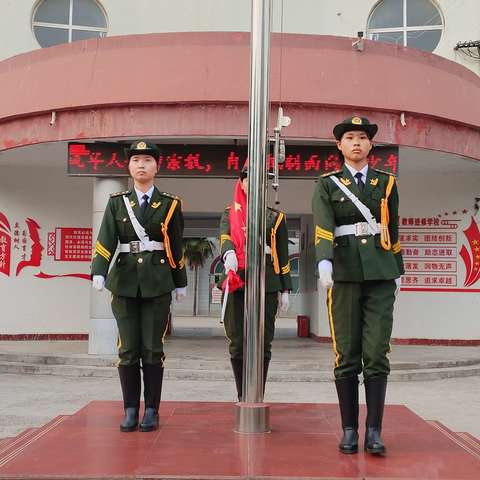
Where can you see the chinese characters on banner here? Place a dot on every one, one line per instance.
(70, 244)
(440, 253)
(220, 161)
(22, 246)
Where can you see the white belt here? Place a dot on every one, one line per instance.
(358, 229)
(137, 246)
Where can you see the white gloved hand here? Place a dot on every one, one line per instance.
(230, 261)
(284, 301)
(398, 283)
(325, 273)
(180, 294)
(98, 282)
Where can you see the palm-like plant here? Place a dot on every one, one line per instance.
(197, 251)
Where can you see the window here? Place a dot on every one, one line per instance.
(63, 21)
(411, 23)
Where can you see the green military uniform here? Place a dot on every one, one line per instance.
(360, 304)
(277, 279)
(141, 283)
(141, 280)
(365, 266)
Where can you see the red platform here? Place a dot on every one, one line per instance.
(196, 441)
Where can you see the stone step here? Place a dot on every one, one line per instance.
(201, 363)
(276, 373)
(467, 442)
(26, 438)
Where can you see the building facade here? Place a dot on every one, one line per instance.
(177, 73)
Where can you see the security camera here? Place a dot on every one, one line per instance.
(358, 44)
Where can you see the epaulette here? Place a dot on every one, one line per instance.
(170, 195)
(384, 171)
(331, 173)
(119, 194)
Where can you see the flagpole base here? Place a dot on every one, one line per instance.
(252, 418)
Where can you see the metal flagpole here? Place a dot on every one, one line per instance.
(252, 415)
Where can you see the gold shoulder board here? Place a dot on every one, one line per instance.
(119, 194)
(331, 173)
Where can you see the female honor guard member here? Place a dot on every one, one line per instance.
(148, 225)
(355, 213)
(277, 275)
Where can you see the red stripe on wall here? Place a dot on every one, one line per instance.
(449, 342)
(44, 336)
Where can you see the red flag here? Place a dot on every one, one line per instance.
(472, 258)
(238, 216)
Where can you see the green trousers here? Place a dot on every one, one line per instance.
(233, 322)
(361, 317)
(142, 324)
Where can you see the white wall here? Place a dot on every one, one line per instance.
(430, 183)
(326, 17)
(33, 305)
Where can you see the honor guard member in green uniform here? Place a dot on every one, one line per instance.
(355, 213)
(277, 275)
(148, 226)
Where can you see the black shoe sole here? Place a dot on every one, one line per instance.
(128, 429)
(376, 451)
(349, 451)
(149, 428)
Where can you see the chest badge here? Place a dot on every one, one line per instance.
(132, 203)
(373, 182)
(155, 204)
(346, 181)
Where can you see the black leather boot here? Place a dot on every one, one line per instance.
(237, 367)
(152, 391)
(130, 382)
(375, 390)
(266, 364)
(347, 391)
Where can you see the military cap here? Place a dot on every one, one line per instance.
(142, 147)
(355, 123)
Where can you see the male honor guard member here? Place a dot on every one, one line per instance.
(355, 213)
(148, 226)
(277, 275)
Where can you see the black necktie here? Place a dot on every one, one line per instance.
(360, 183)
(143, 207)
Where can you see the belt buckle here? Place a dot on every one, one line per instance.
(361, 229)
(135, 246)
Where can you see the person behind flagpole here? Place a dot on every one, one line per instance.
(360, 263)
(278, 283)
(150, 265)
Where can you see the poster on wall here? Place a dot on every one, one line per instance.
(22, 247)
(442, 252)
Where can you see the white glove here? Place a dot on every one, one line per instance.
(230, 261)
(98, 282)
(180, 293)
(398, 283)
(325, 273)
(284, 301)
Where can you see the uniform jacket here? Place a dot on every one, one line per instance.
(356, 258)
(150, 273)
(277, 267)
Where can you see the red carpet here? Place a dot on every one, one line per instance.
(196, 441)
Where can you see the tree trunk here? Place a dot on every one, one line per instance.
(195, 291)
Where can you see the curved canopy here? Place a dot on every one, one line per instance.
(196, 85)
